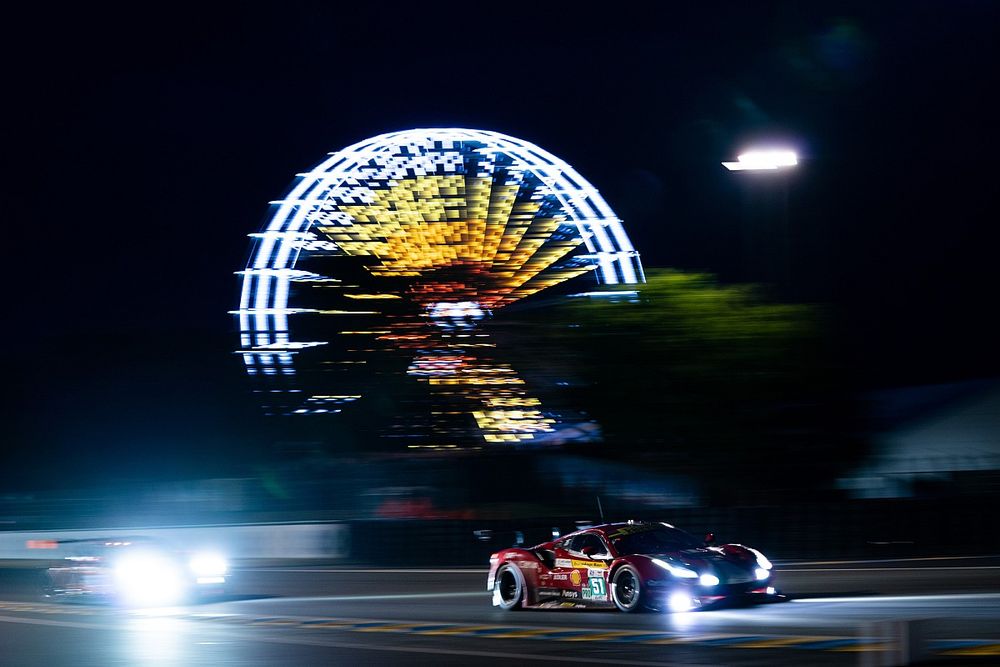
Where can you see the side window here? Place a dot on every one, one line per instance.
(589, 540)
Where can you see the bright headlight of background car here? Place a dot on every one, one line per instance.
(209, 568)
(676, 570)
(148, 579)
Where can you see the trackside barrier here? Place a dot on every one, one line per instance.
(902, 642)
(822, 530)
(328, 541)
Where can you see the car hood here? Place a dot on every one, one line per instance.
(710, 559)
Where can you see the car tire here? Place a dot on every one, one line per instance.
(627, 591)
(509, 588)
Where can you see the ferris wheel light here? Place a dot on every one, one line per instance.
(455, 222)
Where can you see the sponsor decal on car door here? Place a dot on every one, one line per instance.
(566, 576)
(586, 580)
(594, 581)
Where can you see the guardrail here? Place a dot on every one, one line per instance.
(847, 529)
(328, 541)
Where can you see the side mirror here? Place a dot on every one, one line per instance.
(709, 539)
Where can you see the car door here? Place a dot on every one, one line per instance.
(580, 572)
(565, 580)
(591, 558)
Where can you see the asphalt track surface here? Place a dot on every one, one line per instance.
(351, 616)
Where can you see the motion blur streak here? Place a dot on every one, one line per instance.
(414, 596)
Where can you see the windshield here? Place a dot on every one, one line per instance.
(655, 541)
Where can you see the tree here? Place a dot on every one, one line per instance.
(691, 376)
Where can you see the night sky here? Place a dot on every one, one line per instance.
(141, 147)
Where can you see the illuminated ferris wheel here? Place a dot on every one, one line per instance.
(437, 228)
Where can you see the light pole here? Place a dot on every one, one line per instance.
(766, 251)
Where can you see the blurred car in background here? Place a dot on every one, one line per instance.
(632, 566)
(134, 572)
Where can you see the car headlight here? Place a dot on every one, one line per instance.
(148, 579)
(209, 565)
(761, 574)
(676, 570)
(680, 602)
(708, 580)
(762, 560)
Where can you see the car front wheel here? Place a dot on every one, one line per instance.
(626, 589)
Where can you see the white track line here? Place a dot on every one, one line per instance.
(890, 569)
(47, 621)
(905, 598)
(886, 560)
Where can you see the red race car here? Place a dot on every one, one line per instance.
(632, 566)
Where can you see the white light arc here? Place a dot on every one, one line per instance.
(263, 312)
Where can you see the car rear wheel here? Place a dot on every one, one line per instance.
(508, 589)
(626, 589)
